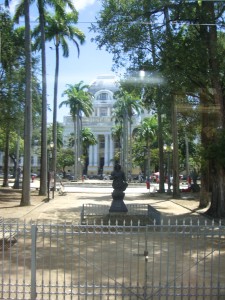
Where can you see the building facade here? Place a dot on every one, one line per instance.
(100, 122)
(101, 155)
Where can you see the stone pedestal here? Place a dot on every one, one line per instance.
(117, 204)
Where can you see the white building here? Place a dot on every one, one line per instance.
(101, 156)
(100, 123)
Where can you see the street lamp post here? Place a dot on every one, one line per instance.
(168, 150)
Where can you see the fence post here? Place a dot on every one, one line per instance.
(33, 261)
(82, 215)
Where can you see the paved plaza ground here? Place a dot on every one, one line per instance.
(68, 207)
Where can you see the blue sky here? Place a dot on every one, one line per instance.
(91, 62)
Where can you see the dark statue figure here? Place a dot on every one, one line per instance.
(119, 185)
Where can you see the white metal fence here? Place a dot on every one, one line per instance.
(68, 261)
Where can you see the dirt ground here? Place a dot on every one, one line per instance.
(68, 207)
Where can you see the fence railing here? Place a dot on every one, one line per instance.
(138, 210)
(71, 261)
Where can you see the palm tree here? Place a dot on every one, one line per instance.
(25, 199)
(126, 107)
(88, 139)
(60, 27)
(147, 132)
(79, 101)
(60, 6)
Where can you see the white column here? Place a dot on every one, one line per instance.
(95, 155)
(91, 155)
(106, 154)
(111, 150)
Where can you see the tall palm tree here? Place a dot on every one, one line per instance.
(60, 27)
(25, 199)
(125, 108)
(80, 102)
(60, 6)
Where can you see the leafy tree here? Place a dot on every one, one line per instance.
(12, 84)
(87, 139)
(65, 159)
(189, 57)
(59, 141)
(146, 133)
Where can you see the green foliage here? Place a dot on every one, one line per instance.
(12, 143)
(88, 139)
(78, 99)
(147, 130)
(145, 136)
(215, 150)
(139, 154)
(65, 158)
(126, 105)
(60, 28)
(59, 128)
(12, 85)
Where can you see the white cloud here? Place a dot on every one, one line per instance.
(79, 4)
(12, 6)
(82, 4)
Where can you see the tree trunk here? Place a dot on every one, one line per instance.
(43, 173)
(6, 159)
(161, 156)
(176, 190)
(206, 183)
(158, 103)
(176, 185)
(217, 208)
(17, 167)
(130, 147)
(78, 146)
(125, 140)
(75, 148)
(54, 127)
(25, 200)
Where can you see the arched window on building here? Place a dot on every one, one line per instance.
(103, 96)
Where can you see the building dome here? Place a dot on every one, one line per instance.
(104, 82)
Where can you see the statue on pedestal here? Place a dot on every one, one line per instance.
(119, 185)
